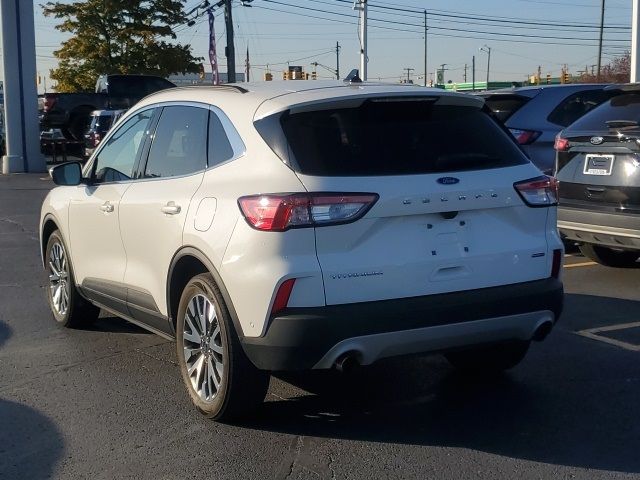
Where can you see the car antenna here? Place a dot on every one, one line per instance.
(353, 77)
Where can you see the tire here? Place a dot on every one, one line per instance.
(489, 359)
(67, 305)
(610, 257)
(225, 385)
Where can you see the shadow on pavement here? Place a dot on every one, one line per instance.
(30, 444)
(573, 402)
(499, 416)
(5, 332)
(114, 324)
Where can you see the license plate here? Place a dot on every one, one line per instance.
(596, 164)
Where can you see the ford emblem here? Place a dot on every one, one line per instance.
(596, 140)
(448, 180)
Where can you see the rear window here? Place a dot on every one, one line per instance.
(504, 106)
(390, 137)
(577, 105)
(622, 107)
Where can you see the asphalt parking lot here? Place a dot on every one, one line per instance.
(108, 402)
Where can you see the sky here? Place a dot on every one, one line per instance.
(298, 32)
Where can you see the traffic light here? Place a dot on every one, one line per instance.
(268, 77)
(314, 75)
(285, 75)
(566, 78)
(548, 78)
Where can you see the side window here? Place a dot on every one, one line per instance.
(117, 158)
(179, 144)
(576, 105)
(220, 149)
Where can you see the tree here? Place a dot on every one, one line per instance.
(118, 36)
(616, 71)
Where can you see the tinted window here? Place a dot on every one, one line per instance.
(623, 107)
(220, 149)
(503, 106)
(389, 137)
(576, 105)
(180, 143)
(117, 158)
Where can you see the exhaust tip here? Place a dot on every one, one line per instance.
(347, 362)
(542, 331)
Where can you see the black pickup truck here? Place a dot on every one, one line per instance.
(70, 111)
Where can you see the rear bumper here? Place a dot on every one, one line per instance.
(608, 229)
(305, 338)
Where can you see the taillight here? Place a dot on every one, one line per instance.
(48, 103)
(561, 144)
(524, 137)
(277, 213)
(557, 263)
(538, 192)
(282, 296)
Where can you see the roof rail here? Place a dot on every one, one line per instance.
(228, 86)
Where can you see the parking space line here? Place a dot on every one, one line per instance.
(583, 264)
(592, 333)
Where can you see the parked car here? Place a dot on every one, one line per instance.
(536, 114)
(273, 227)
(598, 166)
(70, 111)
(99, 124)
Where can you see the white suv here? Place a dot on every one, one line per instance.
(307, 225)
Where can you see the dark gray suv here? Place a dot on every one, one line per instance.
(536, 114)
(598, 164)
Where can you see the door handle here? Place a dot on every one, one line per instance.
(106, 207)
(171, 208)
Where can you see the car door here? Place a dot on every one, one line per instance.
(153, 210)
(94, 232)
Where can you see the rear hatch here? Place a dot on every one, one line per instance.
(447, 217)
(599, 159)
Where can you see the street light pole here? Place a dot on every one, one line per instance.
(425, 48)
(231, 51)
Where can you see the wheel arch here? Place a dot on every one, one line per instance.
(49, 225)
(185, 264)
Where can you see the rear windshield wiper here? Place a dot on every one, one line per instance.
(621, 123)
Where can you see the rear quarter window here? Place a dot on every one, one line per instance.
(390, 137)
(504, 106)
(576, 105)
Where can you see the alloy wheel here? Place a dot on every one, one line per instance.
(203, 349)
(59, 279)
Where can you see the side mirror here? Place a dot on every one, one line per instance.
(67, 174)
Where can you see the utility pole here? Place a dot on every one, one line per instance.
(337, 61)
(425, 48)
(20, 92)
(635, 42)
(473, 74)
(600, 42)
(230, 50)
(465, 73)
(487, 50)
(409, 70)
